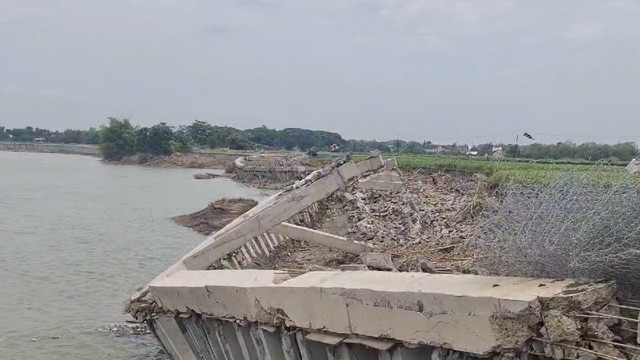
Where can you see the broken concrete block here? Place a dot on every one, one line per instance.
(634, 166)
(390, 164)
(349, 196)
(560, 327)
(379, 261)
(427, 267)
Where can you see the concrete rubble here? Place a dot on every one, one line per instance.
(425, 226)
(634, 166)
(272, 170)
(408, 310)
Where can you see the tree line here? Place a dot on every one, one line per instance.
(591, 151)
(119, 138)
(69, 136)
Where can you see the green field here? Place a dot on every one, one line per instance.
(500, 171)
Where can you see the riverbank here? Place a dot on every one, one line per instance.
(194, 160)
(216, 215)
(75, 149)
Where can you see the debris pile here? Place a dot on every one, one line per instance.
(185, 160)
(273, 171)
(592, 326)
(276, 160)
(425, 226)
(126, 329)
(215, 216)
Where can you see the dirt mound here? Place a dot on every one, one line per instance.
(215, 216)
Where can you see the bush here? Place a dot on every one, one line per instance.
(580, 225)
(118, 139)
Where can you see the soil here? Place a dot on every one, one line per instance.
(188, 160)
(215, 216)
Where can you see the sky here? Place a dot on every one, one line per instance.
(439, 70)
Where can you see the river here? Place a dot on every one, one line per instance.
(77, 237)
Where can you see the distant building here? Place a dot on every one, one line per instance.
(40, 140)
(456, 149)
(433, 148)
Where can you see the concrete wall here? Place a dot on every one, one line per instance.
(495, 314)
(92, 150)
(198, 337)
(264, 244)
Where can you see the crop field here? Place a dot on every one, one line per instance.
(502, 171)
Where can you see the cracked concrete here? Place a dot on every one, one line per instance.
(412, 308)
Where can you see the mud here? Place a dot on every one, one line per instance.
(215, 216)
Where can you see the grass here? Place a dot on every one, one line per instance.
(502, 171)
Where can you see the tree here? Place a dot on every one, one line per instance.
(142, 140)
(413, 147)
(200, 131)
(118, 139)
(181, 140)
(159, 139)
(92, 136)
(72, 136)
(264, 136)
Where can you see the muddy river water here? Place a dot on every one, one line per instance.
(77, 237)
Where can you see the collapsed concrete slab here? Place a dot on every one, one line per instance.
(493, 313)
(198, 312)
(271, 212)
(388, 180)
(634, 166)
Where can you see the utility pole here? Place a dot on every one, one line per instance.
(397, 143)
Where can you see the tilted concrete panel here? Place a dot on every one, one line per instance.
(493, 313)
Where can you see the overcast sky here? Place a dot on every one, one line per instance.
(440, 70)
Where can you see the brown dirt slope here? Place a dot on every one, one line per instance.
(215, 216)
